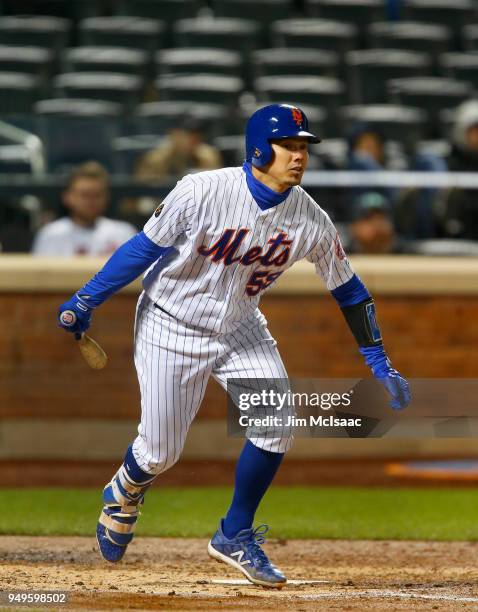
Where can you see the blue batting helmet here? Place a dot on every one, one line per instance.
(271, 122)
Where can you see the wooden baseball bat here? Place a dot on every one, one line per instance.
(92, 352)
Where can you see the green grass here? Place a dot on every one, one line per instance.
(292, 512)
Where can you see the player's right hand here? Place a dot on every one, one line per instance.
(398, 389)
(74, 315)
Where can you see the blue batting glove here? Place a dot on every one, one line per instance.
(398, 388)
(396, 385)
(74, 315)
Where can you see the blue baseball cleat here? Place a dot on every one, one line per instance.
(115, 531)
(122, 499)
(244, 553)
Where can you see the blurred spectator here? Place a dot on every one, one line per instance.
(415, 207)
(182, 150)
(459, 209)
(418, 204)
(85, 231)
(366, 152)
(371, 230)
(366, 148)
(464, 154)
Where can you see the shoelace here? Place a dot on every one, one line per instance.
(257, 537)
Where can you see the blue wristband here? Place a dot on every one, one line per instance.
(376, 359)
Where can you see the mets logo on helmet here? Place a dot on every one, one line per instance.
(297, 116)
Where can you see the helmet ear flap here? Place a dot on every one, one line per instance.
(261, 156)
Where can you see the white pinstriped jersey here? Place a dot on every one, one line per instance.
(228, 251)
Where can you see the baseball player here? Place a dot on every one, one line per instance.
(214, 245)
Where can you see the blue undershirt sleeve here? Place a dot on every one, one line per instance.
(126, 264)
(350, 293)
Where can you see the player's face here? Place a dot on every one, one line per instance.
(289, 161)
(86, 199)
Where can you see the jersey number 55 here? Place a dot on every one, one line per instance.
(260, 280)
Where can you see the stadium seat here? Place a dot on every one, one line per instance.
(27, 60)
(77, 9)
(261, 10)
(105, 59)
(132, 32)
(334, 149)
(166, 10)
(279, 61)
(397, 123)
(201, 88)
(77, 108)
(315, 34)
(128, 149)
(460, 66)
(438, 148)
(410, 36)
(20, 152)
(15, 157)
(358, 12)
(369, 69)
(432, 94)
(31, 60)
(191, 60)
(454, 15)
(231, 149)
(158, 117)
(109, 86)
(326, 92)
(470, 37)
(31, 31)
(304, 89)
(447, 122)
(18, 92)
(70, 140)
(224, 33)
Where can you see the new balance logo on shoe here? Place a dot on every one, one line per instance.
(239, 554)
(248, 557)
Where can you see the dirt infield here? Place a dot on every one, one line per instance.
(177, 574)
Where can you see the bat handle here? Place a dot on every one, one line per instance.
(69, 318)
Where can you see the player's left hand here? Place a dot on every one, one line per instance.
(397, 387)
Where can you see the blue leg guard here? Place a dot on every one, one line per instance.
(122, 498)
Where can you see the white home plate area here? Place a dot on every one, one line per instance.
(240, 582)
